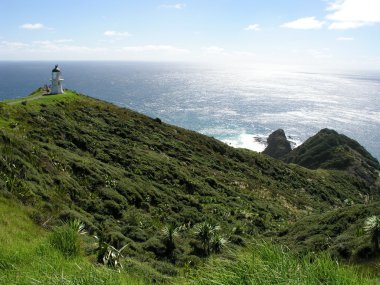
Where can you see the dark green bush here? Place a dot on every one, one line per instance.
(156, 246)
(112, 208)
(165, 268)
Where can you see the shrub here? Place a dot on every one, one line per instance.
(115, 238)
(217, 243)
(112, 208)
(235, 239)
(156, 246)
(68, 215)
(165, 268)
(208, 236)
(170, 232)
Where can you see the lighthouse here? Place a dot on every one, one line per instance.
(56, 81)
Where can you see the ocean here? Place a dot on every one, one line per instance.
(238, 105)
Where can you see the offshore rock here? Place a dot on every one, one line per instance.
(278, 144)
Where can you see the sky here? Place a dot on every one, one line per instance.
(326, 33)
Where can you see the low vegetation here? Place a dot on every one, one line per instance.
(161, 200)
(340, 231)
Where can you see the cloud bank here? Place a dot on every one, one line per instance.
(350, 14)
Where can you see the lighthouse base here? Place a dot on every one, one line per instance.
(56, 90)
(56, 87)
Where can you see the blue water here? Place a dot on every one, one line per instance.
(232, 104)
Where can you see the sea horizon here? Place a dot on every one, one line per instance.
(239, 105)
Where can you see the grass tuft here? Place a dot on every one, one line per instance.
(66, 240)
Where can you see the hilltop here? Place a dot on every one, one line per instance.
(127, 177)
(330, 150)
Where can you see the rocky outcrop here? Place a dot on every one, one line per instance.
(278, 144)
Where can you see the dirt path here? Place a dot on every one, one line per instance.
(25, 99)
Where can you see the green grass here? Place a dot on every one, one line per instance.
(32, 95)
(38, 97)
(265, 263)
(26, 256)
(11, 107)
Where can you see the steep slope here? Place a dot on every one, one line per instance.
(126, 176)
(330, 150)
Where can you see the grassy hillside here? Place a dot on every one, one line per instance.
(169, 195)
(27, 257)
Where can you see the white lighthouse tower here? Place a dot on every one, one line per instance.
(56, 81)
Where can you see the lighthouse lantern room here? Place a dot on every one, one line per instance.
(56, 81)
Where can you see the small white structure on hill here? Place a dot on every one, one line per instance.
(56, 81)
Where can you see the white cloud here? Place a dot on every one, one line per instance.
(64, 41)
(346, 25)
(155, 48)
(51, 49)
(304, 24)
(13, 45)
(214, 50)
(48, 46)
(349, 14)
(64, 48)
(253, 27)
(178, 6)
(55, 44)
(320, 53)
(344, 39)
(244, 54)
(116, 34)
(29, 26)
